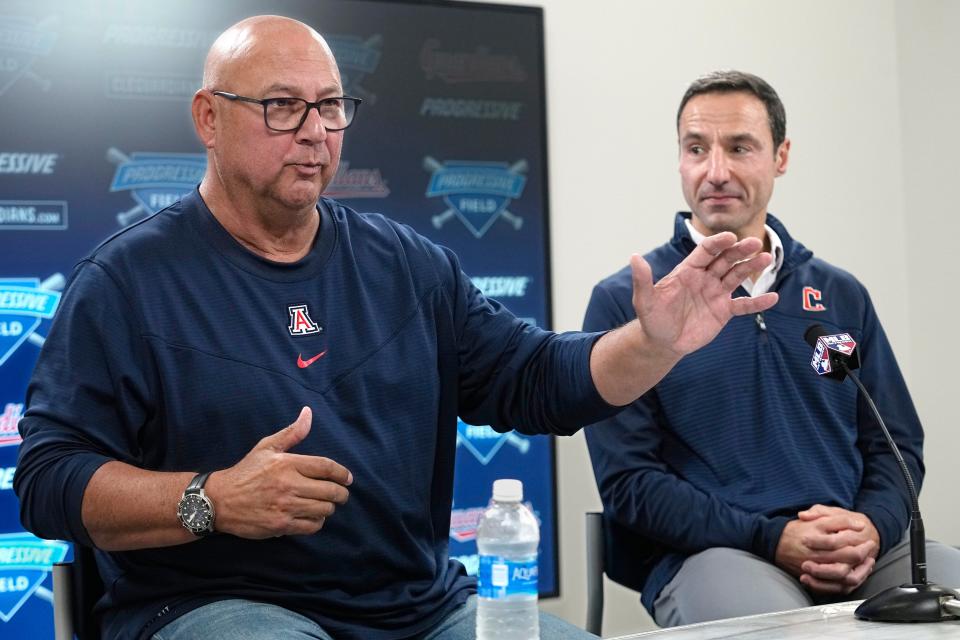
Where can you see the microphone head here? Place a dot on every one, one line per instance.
(833, 353)
(813, 332)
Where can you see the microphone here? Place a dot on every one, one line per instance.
(835, 356)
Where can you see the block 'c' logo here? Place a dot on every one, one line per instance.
(22, 41)
(476, 192)
(811, 299)
(155, 180)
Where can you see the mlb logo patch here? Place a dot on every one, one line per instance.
(821, 359)
(842, 342)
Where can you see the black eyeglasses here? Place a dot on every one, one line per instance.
(289, 114)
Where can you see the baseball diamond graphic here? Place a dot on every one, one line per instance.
(24, 303)
(21, 41)
(476, 192)
(484, 442)
(155, 180)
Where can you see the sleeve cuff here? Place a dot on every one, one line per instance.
(886, 524)
(769, 531)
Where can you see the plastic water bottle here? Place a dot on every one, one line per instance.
(507, 538)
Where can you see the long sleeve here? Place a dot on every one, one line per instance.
(517, 376)
(883, 494)
(86, 402)
(643, 494)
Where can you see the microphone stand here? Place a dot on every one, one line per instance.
(918, 601)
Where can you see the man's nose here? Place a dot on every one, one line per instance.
(718, 171)
(312, 129)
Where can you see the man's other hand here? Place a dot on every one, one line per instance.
(830, 550)
(272, 492)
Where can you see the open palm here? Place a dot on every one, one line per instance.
(688, 307)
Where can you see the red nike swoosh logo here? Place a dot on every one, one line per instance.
(303, 364)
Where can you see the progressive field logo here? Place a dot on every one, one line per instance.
(155, 180)
(22, 41)
(477, 193)
(24, 303)
(25, 561)
(483, 441)
(357, 59)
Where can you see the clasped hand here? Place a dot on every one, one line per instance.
(830, 549)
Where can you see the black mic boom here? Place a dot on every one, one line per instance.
(835, 356)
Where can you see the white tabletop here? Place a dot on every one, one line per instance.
(825, 622)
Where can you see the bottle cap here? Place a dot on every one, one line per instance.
(507, 490)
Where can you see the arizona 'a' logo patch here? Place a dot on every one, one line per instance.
(301, 324)
(811, 299)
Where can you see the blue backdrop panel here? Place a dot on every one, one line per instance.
(94, 97)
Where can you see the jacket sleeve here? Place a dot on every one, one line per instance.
(513, 375)
(86, 401)
(643, 494)
(883, 495)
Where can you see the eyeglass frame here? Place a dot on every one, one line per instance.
(233, 97)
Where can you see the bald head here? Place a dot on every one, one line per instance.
(253, 39)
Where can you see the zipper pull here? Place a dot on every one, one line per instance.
(760, 322)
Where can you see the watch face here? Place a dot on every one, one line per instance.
(195, 513)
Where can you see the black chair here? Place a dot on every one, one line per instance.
(76, 589)
(614, 551)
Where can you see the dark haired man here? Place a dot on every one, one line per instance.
(186, 342)
(747, 484)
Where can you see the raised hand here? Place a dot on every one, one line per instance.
(688, 307)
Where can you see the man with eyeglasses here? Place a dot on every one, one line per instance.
(184, 343)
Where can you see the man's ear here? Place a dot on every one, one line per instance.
(204, 117)
(782, 157)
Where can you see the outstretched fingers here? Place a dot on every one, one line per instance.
(712, 247)
(745, 305)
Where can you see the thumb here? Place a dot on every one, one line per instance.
(642, 284)
(290, 436)
(814, 512)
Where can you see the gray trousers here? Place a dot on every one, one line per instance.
(728, 583)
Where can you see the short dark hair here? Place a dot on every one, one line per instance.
(734, 81)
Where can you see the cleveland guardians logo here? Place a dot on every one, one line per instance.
(22, 41)
(356, 183)
(357, 59)
(155, 180)
(9, 435)
(24, 303)
(811, 299)
(476, 192)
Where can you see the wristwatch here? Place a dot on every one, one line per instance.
(195, 509)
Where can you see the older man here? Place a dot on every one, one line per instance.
(749, 484)
(184, 342)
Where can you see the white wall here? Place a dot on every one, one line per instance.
(928, 54)
(873, 168)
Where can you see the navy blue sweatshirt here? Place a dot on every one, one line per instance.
(742, 434)
(176, 349)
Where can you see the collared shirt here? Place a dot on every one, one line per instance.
(768, 275)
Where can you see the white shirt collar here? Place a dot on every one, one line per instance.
(769, 275)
